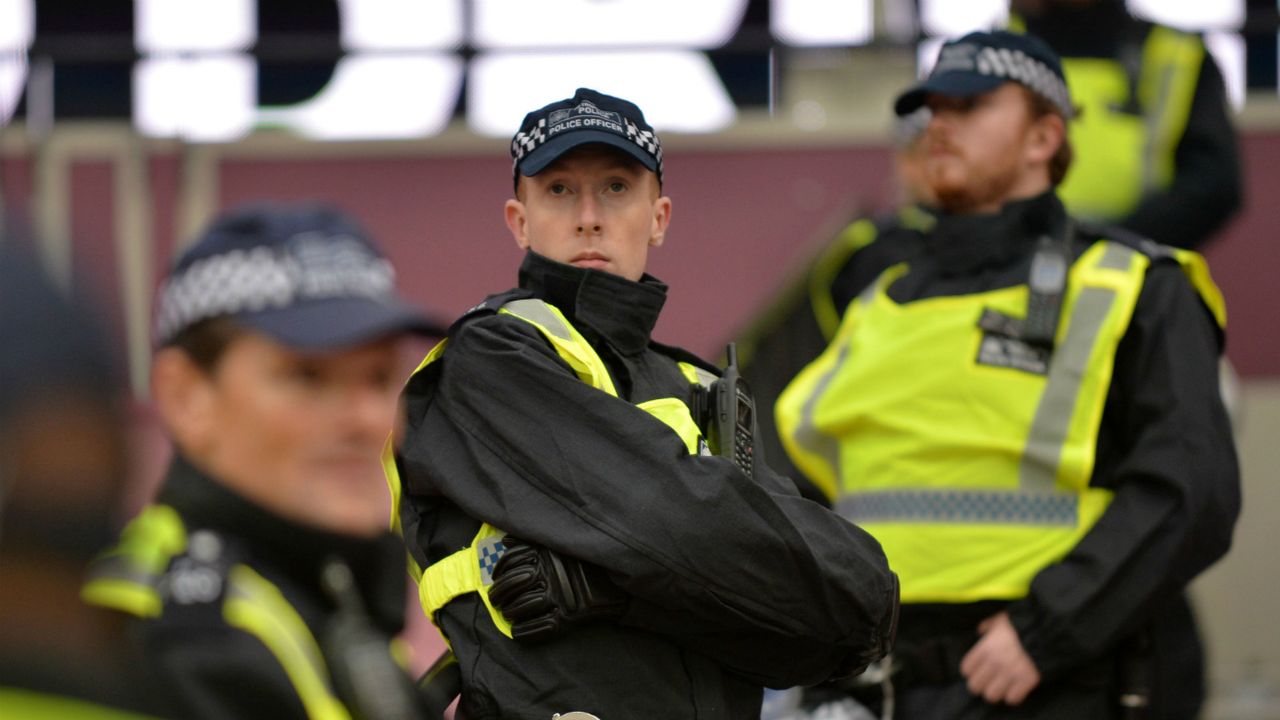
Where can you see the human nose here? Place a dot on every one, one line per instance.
(589, 217)
(371, 410)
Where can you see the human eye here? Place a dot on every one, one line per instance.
(558, 188)
(617, 186)
(305, 373)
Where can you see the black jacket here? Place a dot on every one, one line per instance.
(735, 584)
(218, 671)
(1165, 449)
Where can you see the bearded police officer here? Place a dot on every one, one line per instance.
(264, 582)
(1027, 417)
(576, 541)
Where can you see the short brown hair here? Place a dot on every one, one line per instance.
(207, 341)
(1061, 160)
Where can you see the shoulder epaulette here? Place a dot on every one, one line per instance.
(490, 306)
(1128, 238)
(199, 576)
(681, 355)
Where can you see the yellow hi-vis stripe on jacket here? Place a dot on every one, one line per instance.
(256, 606)
(1120, 156)
(126, 579)
(973, 477)
(471, 568)
(33, 705)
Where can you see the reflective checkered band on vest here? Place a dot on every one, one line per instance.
(957, 506)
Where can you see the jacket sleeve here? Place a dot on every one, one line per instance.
(1206, 189)
(1166, 450)
(219, 673)
(773, 586)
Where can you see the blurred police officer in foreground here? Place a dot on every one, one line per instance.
(642, 576)
(263, 579)
(62, 466)
(1027, 417)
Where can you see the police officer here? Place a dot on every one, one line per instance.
(262, 578)
(578, 544)
(62, 466)
(1027, 417)
(1155, 149)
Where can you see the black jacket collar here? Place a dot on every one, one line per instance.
(292, 549)
(964, 244)
(602, 306)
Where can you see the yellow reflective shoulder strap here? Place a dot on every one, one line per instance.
(1197, 271)
(256, 606)
(567, 341)
(125, 577)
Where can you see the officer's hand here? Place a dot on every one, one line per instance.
(997, 667)
(544, 594)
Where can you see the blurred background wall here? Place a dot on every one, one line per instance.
(128, 124)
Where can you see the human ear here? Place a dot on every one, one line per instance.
(661, 218)
(1047, 134)
(517, 222)
(185, 398)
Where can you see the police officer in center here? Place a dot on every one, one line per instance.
(1027, 416)
(262, 577)
(578, 543)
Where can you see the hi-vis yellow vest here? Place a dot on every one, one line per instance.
(470, 569)
(127, 579)
(972, 476)
(1125, 145)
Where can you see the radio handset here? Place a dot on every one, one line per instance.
(733, 416)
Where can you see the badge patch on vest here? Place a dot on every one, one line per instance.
(1002, 344)
(1007, 352)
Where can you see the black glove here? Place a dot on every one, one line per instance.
(544, 594)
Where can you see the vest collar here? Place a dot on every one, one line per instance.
(299, 551)
(963, 244)
(604, 307)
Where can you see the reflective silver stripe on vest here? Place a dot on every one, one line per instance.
(807, 434)
(536, 311)
(961, 506)
(1036, 500)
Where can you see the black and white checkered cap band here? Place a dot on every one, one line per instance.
(269, 278)
(526, 142)
(1011, 64)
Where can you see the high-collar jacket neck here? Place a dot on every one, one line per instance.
(962, 244)
(298, 551)
(613, 309)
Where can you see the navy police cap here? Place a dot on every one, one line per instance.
(306, 275)
(982, 61)
(587, 117)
